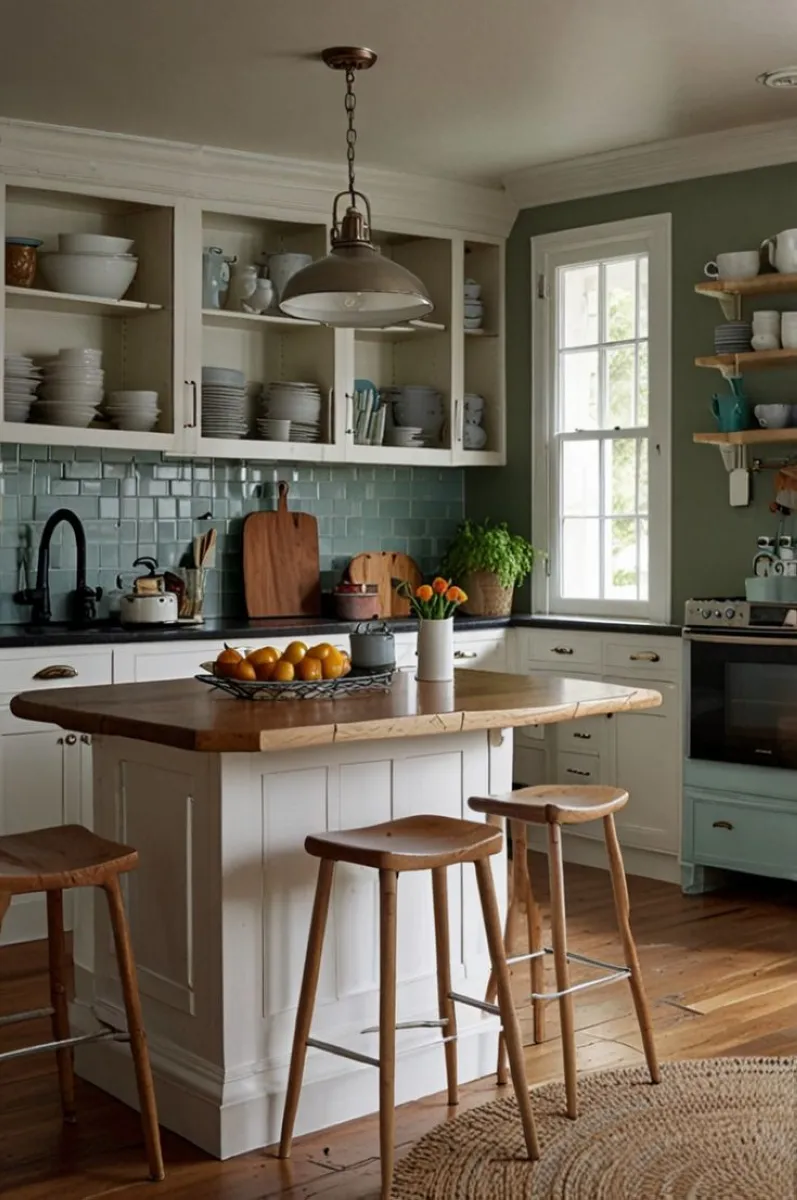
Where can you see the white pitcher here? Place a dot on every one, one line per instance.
(782, 251)
(282, 266)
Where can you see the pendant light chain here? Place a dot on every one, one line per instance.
(351, 133)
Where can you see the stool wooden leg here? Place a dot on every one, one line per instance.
(510, 934)
(559, 940)
(388, 881)
(509, 1021)
(445, 1005)
(623, 908)
(5, 900)
(533, 925)
(56, 948)
(135, 1026)
(304, 1013)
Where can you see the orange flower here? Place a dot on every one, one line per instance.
(424, 592)
(440, 585)
(456, 595)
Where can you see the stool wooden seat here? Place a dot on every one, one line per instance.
(52, 860)
(409, 844)
(431, 843)
(555, 806)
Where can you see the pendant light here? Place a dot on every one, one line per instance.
(354, 286)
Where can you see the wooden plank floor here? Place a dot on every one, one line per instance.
(721, 972)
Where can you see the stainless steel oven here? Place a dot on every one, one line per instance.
(743, 696)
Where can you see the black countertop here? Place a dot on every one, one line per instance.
(243, 631)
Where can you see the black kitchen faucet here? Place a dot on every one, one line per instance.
(83, 599)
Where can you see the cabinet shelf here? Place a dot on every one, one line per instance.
(223, 318)
(392, 333)
(759, 285)
(481, 333)
(749, 360)
(40, 300)
(746, 437)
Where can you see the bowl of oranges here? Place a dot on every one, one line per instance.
(299, 672)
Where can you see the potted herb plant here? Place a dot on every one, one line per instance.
(491, 562)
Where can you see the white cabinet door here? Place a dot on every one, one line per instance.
(648, 765)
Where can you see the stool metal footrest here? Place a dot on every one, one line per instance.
(32, 1014)
(617, 972)
(63, 1043)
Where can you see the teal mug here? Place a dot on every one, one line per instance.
(731, 413)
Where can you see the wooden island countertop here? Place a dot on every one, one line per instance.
(189, 715)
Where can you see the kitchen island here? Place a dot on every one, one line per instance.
(218, 795)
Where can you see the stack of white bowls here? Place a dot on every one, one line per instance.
(224, 403)
(90, 264)
(21, 379)
(135, 410)
(299, 403)
(418, 406)
(474, 309)
(71, 390)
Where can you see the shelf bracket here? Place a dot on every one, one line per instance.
(736, 463)
(731, 306)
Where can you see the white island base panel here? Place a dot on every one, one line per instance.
(219, 911)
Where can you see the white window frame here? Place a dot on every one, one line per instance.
(651, 235)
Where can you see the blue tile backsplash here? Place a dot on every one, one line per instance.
(142, 504)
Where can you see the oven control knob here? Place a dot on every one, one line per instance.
(705, 613)
(718, 614)
(730, 613)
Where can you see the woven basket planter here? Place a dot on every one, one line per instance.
(486, 597)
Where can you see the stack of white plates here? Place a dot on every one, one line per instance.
(299, 403)
(404, 435)
(19, 388)
(71, 390)
(224, 403)
(134, 410)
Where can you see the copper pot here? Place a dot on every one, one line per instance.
(21, 261)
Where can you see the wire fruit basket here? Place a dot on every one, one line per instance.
(317, 689)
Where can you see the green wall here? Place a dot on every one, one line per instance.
(712, 544)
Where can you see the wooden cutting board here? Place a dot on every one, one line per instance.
(381, 568)
(281, 571)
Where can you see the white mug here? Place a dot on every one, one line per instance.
(765, 341)
(788, 331)
(766, 316)
(735, 264)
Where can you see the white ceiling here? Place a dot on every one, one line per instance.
(463, 88)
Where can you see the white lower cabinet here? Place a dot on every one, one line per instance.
(647, 747)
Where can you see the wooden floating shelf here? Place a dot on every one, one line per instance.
(746, 437)
(759, 285)
(750, 360)
(225, 318)
(67, 302)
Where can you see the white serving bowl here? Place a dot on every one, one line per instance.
(71, 372)
(277, 430)
(47, 414)
(472, 289)
(105, 276)
(74, 393)
(93, 243)
(134, 398)
(286, 408)
(136, 422)
(426, 413)
(80, 356)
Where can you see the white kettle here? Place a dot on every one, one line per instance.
(782, 251)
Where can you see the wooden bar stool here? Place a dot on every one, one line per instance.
(51, 860)
(557, 806)
(423, 843)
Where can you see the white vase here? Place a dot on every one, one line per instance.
(436, 651)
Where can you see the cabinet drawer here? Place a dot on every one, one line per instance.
(35, 670)
(581, 737)
(561, 650)
(648, 656)
(578, 769)
(748, 837)
(487, 656)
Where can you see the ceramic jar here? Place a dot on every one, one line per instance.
(436, 650)
(21, 261)
(243, 282)
(261, 299)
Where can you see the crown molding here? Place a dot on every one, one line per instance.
(181, 169)
(742, 149)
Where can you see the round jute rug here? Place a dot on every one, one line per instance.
(713, 1129)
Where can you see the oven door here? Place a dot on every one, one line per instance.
(743, 699)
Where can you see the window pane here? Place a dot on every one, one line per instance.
(620, 387)
(580, 479)
(643, 296)
(642, 501)
(620, 558)
(644, 561)
(579, 390)
(642, 406)
(579, 326)
(620, 472)
(581, 558)
(620, 299)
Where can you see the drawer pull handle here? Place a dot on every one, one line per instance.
(56, 672)
(644, 656)
(561, 650)
(576, 771)
(722, 825)
(585, 737)
(465, 654)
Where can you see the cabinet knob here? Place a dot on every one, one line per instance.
(722, 825)
(584, 737)
(576, 771)
(70, 739)
(85, 739)
(465, 654)
(561, 650)
(644, 656)
(58, 671)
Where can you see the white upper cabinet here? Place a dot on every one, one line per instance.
(162, 333)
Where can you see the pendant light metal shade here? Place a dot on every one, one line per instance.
(354, 286)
